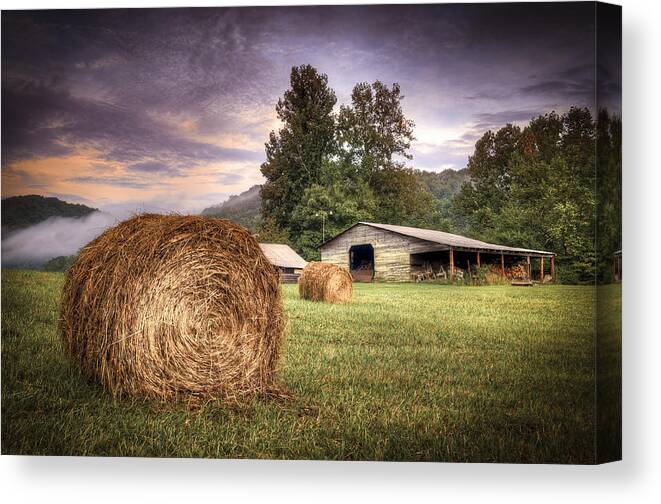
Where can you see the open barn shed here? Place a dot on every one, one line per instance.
(288, 263)
(384, 252)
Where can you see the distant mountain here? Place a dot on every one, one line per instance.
(443, 185)
(242, 209)
(23, 211)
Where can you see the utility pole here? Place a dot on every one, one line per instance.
(323, 214)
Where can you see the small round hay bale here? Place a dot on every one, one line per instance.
(174, 307)
(325, 282)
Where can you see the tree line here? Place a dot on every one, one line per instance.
(533, 187)
(341, 167)
(554, 185)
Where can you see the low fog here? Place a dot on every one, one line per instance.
(57, 236)
(63, 236)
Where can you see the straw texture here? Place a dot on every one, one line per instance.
(174, 307)
(325, 282)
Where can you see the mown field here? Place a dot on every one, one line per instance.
(406, 372)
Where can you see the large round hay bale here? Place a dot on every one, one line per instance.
(174, 307)
(325, 282)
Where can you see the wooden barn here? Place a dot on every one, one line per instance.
(384, 252)
(286, 261)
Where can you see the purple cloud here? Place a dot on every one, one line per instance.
(159, 91)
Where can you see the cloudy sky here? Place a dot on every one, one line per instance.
(170, 108)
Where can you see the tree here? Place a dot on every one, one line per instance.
(341, 205)
(401, 198)
(374, 136)
(488, 166)
(295, 154)
(350, 167)
(609, 190)
(269, 232)
(541, 138)
(374, 129)
(535, 188)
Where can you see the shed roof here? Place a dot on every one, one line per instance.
(282, 255)
(449, 239)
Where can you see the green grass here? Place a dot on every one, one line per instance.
(405, 372)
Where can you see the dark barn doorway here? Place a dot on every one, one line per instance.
(361, 263)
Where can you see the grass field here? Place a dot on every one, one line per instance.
(406, 372)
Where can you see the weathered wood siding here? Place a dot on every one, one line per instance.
(392, 252)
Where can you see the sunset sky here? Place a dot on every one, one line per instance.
(170, 109)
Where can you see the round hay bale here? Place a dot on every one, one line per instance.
(174, 307)
(325, 282)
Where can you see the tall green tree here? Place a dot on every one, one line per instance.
(609, 191)
(373, 130)
(357, 174)
(401, 198)
(334, 204)
(480, 201)
(294, 154)
(541, 138)
(536, 188)
(375, 136)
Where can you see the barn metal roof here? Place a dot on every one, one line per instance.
(450, 240)
(282, 255)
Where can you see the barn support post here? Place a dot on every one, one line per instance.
(541, 269)
(529, 266)
(552, 259)
(502, 265)
(478, 259)
(451, 264)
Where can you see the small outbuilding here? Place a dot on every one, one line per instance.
(386, 252)
(287, 262)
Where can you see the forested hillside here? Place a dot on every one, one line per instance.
(244, 208)
(241, 209)
(443, 185)
(24, 211)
